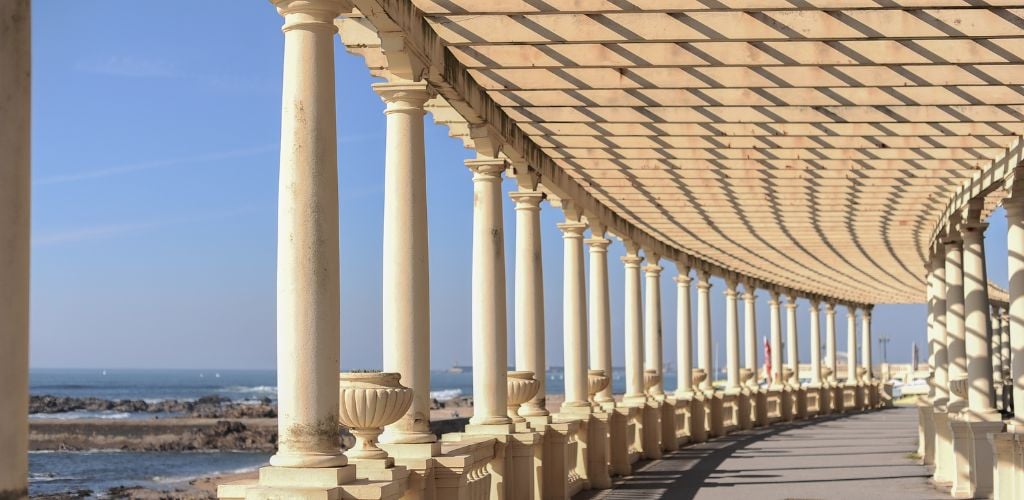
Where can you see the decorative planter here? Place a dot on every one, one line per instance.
(596, 382)
(746, 375)
(651, 378)
(367, 403)
(861, 373)
(958, 387)
(699, 375)
(787, 374)
(521, 387)
(826, 372)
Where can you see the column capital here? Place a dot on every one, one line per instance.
(683, 280)
(527, 200)
(311, 14)
(749, 296)
(815, 303)
(773, 296)
(652, 267)
(830, 308)
(632, 260)
(702, 279)
(652, 256)
(403, 96)
(572, 229)
(487, 168)
(598, 244)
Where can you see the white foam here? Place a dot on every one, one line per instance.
(445, 394)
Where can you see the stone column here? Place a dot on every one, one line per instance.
(994, 342)
(704, 328)
(600, 316)
(652, 320)
(732, 336)
(830, 340)
(851, 345)
(574, 310)
(684, 342)
(489, 335)
(815, 343)
(792, 345)
(15, 189)
(940, 380)
(776, 341)
(308, 286)
(865, 341)
(405, 265)
(1004, 346)
(955, 334)
(529, 304)
(1015, 243)
(633, 326)
(750, 332)
(979, 362)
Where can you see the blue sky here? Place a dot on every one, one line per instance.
(155, 151)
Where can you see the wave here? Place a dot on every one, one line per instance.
(82, 414)
(45, 477)
(445, 394)
(257, 388)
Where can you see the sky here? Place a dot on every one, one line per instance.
(155, 151)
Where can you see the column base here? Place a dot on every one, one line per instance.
(318, 483)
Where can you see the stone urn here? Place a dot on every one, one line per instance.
(651, 378)
(521, 387)
(368, 401)
(746, 375)
(699, 375)
(597, 381)
(826, 372)
(958, 387)
(787, 374)
(861, 373)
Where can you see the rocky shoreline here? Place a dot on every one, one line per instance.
(204, 407)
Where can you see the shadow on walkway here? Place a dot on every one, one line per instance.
(857, 456)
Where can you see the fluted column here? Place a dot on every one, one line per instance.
(704, 328)
(684, 341)
(940, 380)
(865, 341)
(405, 266)
(750, 332)
(851, 345)
(489, 335)
(308, 287)
(732, 336)
(815, 343)
(775, 320)
(980, 393)
(652, 320)
(15, 189)
(830, 340)
(529, 305)
(955, 334)
(792, 345)
(574, 312)
(633, 327)
(1015, 244)
(600, 316)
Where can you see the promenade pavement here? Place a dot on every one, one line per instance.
(862, 456)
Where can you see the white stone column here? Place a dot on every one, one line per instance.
(775, 321)
(405, 265)
(979, 361)
(851, 345)
(308, 286)
(1015, 244)
(574, 310)
(600, 316)
(995, 343)
(529, 304)
(1004, 346)
(489, 335)
(633, 327)
(750, 332)
(815, 343)
(830, 340)
(732, 336)
(704, 328)
(652, 320)
(865, 341)
(15, 189)
(684, 341)
(792, 343)
(955, 334)
(940, 380)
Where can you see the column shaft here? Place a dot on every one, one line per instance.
(600, 316)
(792, 347)
(830, 340)
(750, 333)
(684, 341)
(732, 337)
(308, 287)
(1004, 346)
(865, 341)
(941, 378)
(776, 342)
(955, 334)
(529, 305)
(489, 335)
(1015, 244)
(815, 343)
(851, 345)
(574, 315)
(994, 341)
(980, 392)
(704, 328)
(15, 189)
(405, 265)
(652, 321)
(633, 327)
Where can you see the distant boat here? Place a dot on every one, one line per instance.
(460, 369)
(104, 372)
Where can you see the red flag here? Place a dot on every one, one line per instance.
(767, 361)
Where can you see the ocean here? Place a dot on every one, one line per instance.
(59, 471)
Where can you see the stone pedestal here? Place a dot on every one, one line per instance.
(669, 441)
(417, 458)
(786, 404)
(743, 409)
(651, 430)
(713, 417)
(698, 418)
(619, 440)
(961, 472)
(838, 397)
(760, 397)
(1005, 447)
(944, 460)
(320, 483)
(563, 471)
(513, 462)
(925, 431)
(982, 455)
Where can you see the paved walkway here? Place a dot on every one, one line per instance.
(862, 456)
